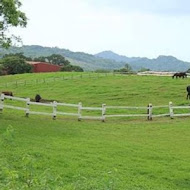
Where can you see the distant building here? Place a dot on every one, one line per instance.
(41, 67)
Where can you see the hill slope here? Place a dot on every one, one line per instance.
(122, 153)
(116, 57)
(162, 63)
(86, 61)
(107, 60)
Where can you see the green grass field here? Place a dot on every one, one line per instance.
(123, 153)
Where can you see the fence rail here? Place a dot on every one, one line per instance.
(15, 98)
(14, 107)
(17, 83)
(80, 108)
(124, 107)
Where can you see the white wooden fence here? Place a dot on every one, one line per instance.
(147, 111)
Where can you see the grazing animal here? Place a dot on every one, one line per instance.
(37, 98)
(188, 92)
(8, 93)
(180, 75)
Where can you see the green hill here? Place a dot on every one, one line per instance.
(114, 56)
(86, 61)
(106, 60)
(161, 63)
(122, 153)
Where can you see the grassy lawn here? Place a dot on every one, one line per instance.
(123, 153)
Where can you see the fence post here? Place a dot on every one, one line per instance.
(80, 111)
(27, 107)
(103, 112)
(2, 102)
(149, 111)
(54, 110)
(171, 110)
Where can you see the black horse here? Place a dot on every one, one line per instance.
(180, 75)
(37, 98)
(188, 92)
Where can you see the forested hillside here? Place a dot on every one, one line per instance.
(106, 60)
(161, 63)
(86, 61)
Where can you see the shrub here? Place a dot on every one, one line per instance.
(72, 68)
(102, 71)
(15, 65)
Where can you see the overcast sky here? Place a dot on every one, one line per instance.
(146, 28)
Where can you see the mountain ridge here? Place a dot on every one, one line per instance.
(161, 63)
(106, 60)
(114, 56)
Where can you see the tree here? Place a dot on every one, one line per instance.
(128, 67)
(10, 16)
(15, 65)
(57, 59)
(188, 71)
(40, 59)
(1, 70)
(54, 59)
(20, 55)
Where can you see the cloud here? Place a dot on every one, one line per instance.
(133, 28)
(163, 7)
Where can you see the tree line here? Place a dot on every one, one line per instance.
(18, 63)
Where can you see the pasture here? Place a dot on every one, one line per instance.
(122, 153)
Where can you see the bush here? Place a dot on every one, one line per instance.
(143, 70)
(1, 70)
(54, 59)
(126, 69)
(102, 71)
(14, 65)
(72, 68)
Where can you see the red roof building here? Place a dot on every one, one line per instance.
(41, 67)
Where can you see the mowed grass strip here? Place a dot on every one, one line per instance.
(39, 153)
(113, 90)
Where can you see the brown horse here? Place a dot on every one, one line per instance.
(180, 75)
(7, 93)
